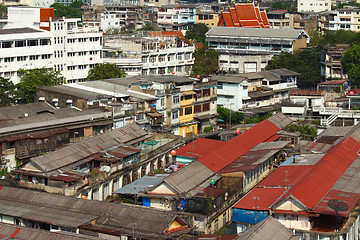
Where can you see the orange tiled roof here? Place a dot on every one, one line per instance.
(244, 15)
(167, 34)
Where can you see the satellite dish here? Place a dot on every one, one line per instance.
(105, 169)
(337, 205)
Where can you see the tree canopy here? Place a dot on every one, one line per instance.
(71, 11)
(306, 62)
(197, 32)
(224, 114)
(30, 79)
(7, 91)
(206, 61)
(105, 71)
(351, 65)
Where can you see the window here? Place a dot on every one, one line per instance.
(20, 43)
(188, 110)
(21, 58)
(171, 57)
(197, 108)
(206, 106)
(175, 115)
(44, 42)
(34, 42)
(187, 56)
(34, 57)
(9, 59)
(176, 100)
(179, 56)
(181, 112)
(6, 44)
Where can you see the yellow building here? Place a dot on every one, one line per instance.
(209, 19)
(188, 125)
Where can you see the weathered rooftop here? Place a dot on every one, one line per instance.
(86, 150)
(113, 218)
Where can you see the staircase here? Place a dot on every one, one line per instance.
(327, 122)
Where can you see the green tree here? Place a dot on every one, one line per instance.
(351, 65)
(3, 10)
(197, 32)
(77, 4)
(206, 61)
(32, 78)
(148, 27)
(66, 11)
(7, 91)
(224, 114)
(306, 62)
(105, 71)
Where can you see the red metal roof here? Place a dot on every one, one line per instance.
(260, 198)
(312, 185)
(333, 82)
(349, 198)
(326, 172)
(253, 158)
(211, 192)
(222, 156)
(272, 138)
(198, 148)
(286, 176)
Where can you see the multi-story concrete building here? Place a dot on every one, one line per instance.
(186, 105)
(156, 3)
(24, 48)
(150, 53)
(35, 39)
(245, 50)
(341, 19)
(280, 19)
(313, 5)
(254, 90)
(128, 17)
(206, 15)
(331, 61)
(176, 17)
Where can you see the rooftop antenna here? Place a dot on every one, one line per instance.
(286, 180)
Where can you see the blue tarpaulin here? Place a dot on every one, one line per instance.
(248, 216)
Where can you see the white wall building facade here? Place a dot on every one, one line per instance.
(313, 5)
(63, 45)
(24, 48)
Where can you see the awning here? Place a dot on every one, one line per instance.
(155, 114)
(188, 93)
(246, 98)
(151, 142)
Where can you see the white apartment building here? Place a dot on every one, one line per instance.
(313, 5)
(57, 43)
(76, 49)
(24, 48)
(149, 55)
(126, 17)
(345, 19)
